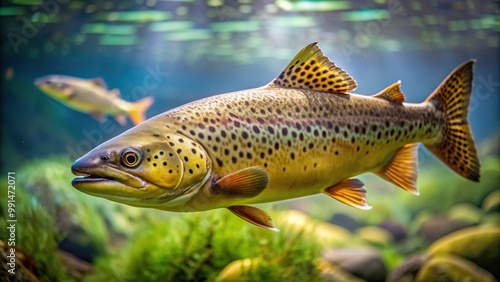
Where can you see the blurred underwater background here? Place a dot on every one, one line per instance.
(178, 51)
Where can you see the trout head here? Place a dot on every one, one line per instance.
(55, 86)
(141, 168)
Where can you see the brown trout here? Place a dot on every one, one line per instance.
(92, 96)
(301, 134)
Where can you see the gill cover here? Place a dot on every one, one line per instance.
(171, 161)
(179, 160)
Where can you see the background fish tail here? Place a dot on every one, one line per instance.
(456, 147)
(139, 108)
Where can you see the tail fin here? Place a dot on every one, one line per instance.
(139, 108)
(456, 148)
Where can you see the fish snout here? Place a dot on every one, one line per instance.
(79, 167)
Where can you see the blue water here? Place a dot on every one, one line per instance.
(34, 125)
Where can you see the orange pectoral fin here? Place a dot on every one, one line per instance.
(402, 169)
(247, 183)
(254, 216)
(350, 192)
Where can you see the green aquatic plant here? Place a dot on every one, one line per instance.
(35, 234)
(49, 182)
(197, 246)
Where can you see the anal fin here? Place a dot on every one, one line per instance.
(121, 119)
(254, 216)
(350, 192)
(402, 168)
(247, 183)
(100, 117)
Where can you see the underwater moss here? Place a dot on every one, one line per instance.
(35, 235)
(197, 246)
(48, 181)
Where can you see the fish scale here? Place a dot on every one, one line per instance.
(304, 125)
(302, 134)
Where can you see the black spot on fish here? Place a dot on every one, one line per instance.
(164, 163)
(284, 131)
(234, 160)
(219, 162)
(156, 135)
(186, 159)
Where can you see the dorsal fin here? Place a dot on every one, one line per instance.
(312, 70)
(99, 82)
(392, 93)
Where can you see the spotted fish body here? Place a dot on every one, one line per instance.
(302, 134)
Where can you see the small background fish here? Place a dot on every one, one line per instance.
(93, 97)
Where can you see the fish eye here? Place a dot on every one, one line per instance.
(130, 158)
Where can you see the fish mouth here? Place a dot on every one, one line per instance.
(93, 178)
